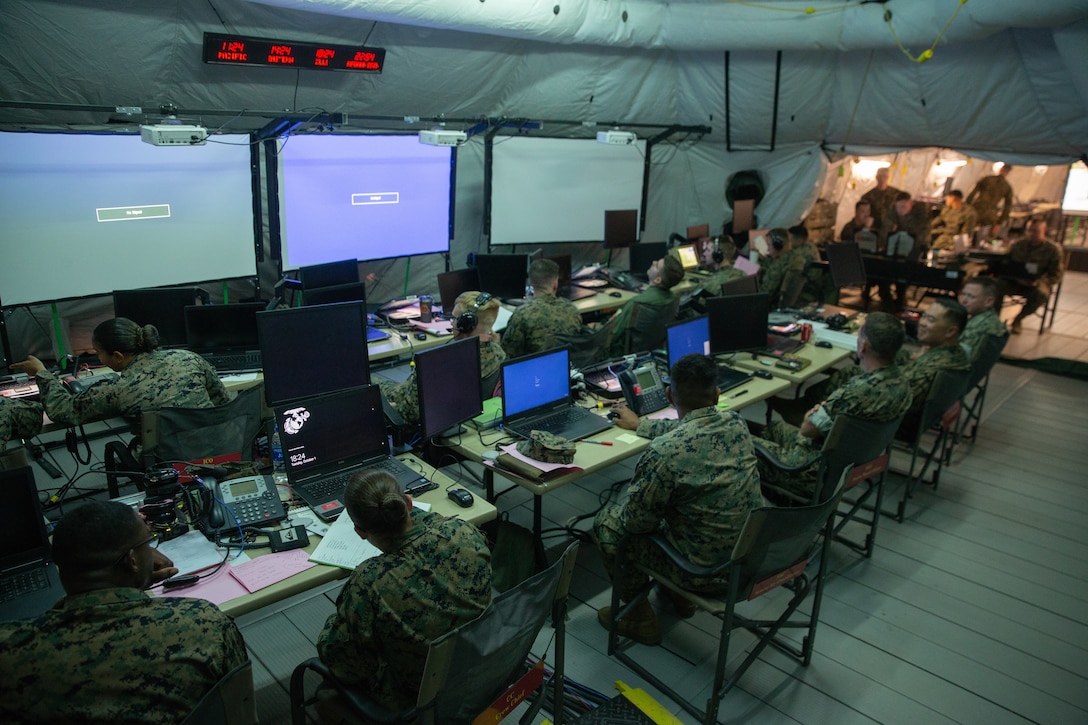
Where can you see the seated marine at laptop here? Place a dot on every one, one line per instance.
(474, 314)
(718, 258)
(108, 652)
(534, 326)
(433, 575)
(695, 484)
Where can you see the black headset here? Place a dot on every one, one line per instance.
(777, 241)
(467, 320)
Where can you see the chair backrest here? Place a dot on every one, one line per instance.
(776, 542)
(186, 434)
(468, 668)
(947, 388)
(647, 328)
(588, 346)
(230, 702)
(852, 442)
(986, 357)
(13, 456)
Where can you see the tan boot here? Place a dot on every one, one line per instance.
(640, 624)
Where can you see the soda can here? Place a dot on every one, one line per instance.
(806, 332)
(426, 302)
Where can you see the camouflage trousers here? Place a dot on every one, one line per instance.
(785, 443)
(608, 530)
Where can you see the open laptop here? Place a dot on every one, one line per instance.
(329, 438)
(29, 582)
(225, 335)
(693, 337)
(566, 288)
(536, 396)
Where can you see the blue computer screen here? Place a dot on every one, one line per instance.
(685, 338)
(534, 381)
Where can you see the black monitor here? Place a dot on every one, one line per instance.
(503, 275)
(452, 284)
(328, 274)
(620, 228)
(449, 394)
(746, 285)
(310, 351)
(163, 307)
(564, 261)
(738, 323)
(223, 327)
(644, 254)
(847, 265)
(351, 292)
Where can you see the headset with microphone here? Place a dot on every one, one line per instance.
(467, 320)
(777, 240)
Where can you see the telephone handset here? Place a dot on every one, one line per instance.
(643, 389)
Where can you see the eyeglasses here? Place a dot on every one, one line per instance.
(153, 540)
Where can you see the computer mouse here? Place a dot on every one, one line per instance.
(765, 374)
(421, 335)
(615, 294)
(612, 415)
(823, 343)
(461, 497)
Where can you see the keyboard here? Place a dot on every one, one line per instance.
(729, 378)
(328, 487)
(16, 585)
(234, 362)
(571, 423)
(332, 486)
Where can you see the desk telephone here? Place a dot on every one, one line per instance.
(253, 500)
(643, 389)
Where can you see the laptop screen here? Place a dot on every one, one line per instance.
(564, 262)
(444, 403)
(503, 275)
(688, 257)
(222, 327)
(328, 274)
(452, 284)
(535, 381)
(644, 254)
(308, 351)
(318, 434)
(22, 528)
(737, 324)
(685, 338)
(163, 307)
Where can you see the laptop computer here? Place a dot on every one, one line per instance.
(329, 438)
(693, 336)
(225, 335)
(29, 582)
(536, 396)
(566, 288)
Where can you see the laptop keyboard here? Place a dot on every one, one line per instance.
(332, 486)
(730, 378)
(16, 585)
(235, 361)
(551, 423)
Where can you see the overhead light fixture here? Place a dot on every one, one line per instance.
(952, 162)
(867, 168)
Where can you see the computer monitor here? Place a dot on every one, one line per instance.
(310, 351)
(564, 261)
(738, 324)
(644, 254)
(445, 379)
(351, 292)
(689, 258)
(698, 232)
(620, 228)
(222, 327)
(687, 337)
(503, 275)
(452, 284)
(163, 307)
(747, 285)
(328, 274)
(846, 263)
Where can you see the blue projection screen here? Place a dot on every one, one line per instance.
(85, 214)
(363, 197)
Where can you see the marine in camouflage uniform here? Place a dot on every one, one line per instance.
(880, 201)
(922, 370)
(396, 603)
(152, 380)
(115, 655)
(987, 194)
(696, 485)
(405, 396)
(19, 419)
(652, 296)
(534, 326)
(712, 284)
(952, 221)
(978, 327)
(879, 395)
(1047, 258)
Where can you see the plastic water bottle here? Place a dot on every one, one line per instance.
(277, 451)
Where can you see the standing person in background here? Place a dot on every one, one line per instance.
(987, 195)
(534, 326)
(881, 197)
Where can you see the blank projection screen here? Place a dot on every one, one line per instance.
(557, 190)
(85, 214)
(1075, 202)
(363, 197)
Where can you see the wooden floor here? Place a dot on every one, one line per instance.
(971, 611)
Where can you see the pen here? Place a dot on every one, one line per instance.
(597, 443)
(737, 395)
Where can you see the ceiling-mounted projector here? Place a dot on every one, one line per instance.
(616, 138)
(172, 134)
(442, 137)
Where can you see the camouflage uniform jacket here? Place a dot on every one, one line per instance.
(713, 283)
(697, 483)
(921, 371)
(654, 296)
(533, 327)
(915, 223)
(985, 197)
(851, 228)
(19, 419)
(978, 327)
(396, 603)
(880, 201)
(1046, 255)
(772, 273)
(405, 396)
(115, 655)
(951, 222)
(153, 380)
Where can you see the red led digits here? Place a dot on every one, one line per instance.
(235, 50)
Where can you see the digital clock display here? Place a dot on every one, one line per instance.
(240, 50)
